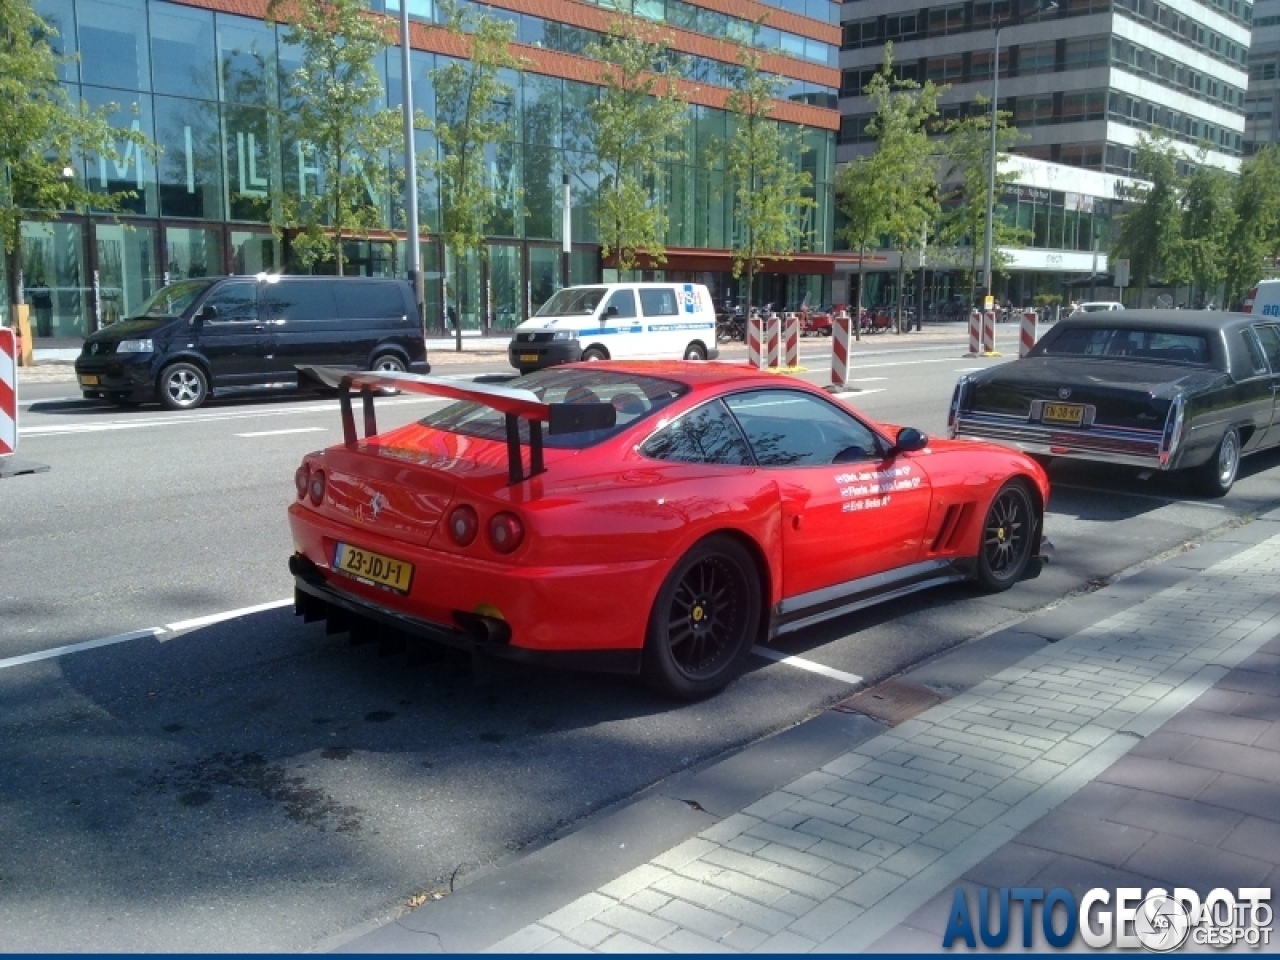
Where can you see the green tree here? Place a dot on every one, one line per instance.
(1150, 235)
(908, 187)
(763, 164)
(332, 112)
(858, 186)
(637, 123)
(966, 179)
(1208, 215)
(44, 134)
(1255, 228)
(472, 116)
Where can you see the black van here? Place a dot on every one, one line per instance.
(207, 335)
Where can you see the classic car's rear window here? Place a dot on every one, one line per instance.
(633, 397)
(1174, 346)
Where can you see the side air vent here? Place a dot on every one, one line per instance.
(952, 528)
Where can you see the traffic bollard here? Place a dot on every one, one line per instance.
(1028, 338)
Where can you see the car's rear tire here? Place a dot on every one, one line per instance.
(388, 363)
(592, 354)
(1007, 537)
(695, 351)
(704, 621)
(1216, 477)
(183, 386)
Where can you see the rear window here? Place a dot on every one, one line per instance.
(368, 300)
(297, 301)
(1129, 344)
(633, 397)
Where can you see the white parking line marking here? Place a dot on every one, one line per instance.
(1142, 496)
(802, 664)
(277, 433)
(228, 615)
(77, 647)
(969, 369)
(858, 393)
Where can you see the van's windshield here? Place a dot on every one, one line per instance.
(173, 300)
(573, 302)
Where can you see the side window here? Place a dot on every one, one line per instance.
(705, 435)
(788, 428)
(370, 300)
(298, 301)
(1253, 350)
(624, 301)
(659, 302)
(236, 302)
(1270, 338)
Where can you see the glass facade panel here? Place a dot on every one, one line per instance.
(190, 162)
(182, 52)
(506, 289)
(113, 44)
(246, 60)
(60, 16)
(127, 269)
(253, 252)
(252, 161)
(132, 169)
(544, 275)
(192, 252)
(55, 280)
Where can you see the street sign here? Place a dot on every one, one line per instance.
(1122, 273)
(989, 302)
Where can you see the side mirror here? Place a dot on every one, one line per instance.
(207, 312)
(909, 440)
(611, 310)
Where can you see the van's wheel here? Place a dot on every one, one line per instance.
(183, 386)
(1215, 477)
(704, 621)
(388, 363)
(695, 351)
(1007, 533)
(592, 354)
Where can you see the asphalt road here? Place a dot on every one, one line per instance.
(249, 783)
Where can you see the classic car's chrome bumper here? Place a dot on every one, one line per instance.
(1124, 446)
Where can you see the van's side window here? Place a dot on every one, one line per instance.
(369, 301)
(659, 303)
(235, 302)
(299, 301)
(625, 301)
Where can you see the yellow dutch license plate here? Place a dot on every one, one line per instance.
(374, 567)
(528, 358)
(1071, 414)
(89, 380)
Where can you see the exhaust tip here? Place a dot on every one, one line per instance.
(485, 630)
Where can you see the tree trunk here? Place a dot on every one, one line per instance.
(897, 320)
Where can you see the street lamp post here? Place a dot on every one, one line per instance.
(412, 243)
(995, 116)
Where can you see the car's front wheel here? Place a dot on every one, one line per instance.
(1217, 476)
(183, 386)
(704, 621)
(1008, 532)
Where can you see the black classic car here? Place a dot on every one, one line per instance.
(1159, 389)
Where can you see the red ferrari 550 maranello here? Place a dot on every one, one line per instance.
(650, 518)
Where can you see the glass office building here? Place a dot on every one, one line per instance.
(203, 81)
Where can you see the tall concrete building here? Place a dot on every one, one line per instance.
(1084, 80)
(1262, 102)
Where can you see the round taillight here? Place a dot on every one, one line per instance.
(464, 524)
(302, 480)
(505, 532)
(316, 486)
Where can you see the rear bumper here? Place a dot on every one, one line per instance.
(1125, 447)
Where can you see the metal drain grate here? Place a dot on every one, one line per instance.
(892, 702)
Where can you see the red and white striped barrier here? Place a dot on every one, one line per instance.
(8, 391)
(791, 341)
(841, 328)
(975, 333)
(989, 332)
(772, 338)
(1028, 338)
(755, 341)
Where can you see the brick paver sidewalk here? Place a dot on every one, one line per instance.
(846, 855)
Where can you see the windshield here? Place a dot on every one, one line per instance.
(1169, 345)
(173, 300)
(573, 302)
(633, 396)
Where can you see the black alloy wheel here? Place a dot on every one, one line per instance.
(704, 621)
(1007, 537)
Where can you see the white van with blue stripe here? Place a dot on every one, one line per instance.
(618, 321)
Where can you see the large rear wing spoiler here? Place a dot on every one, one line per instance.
(514, 404)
